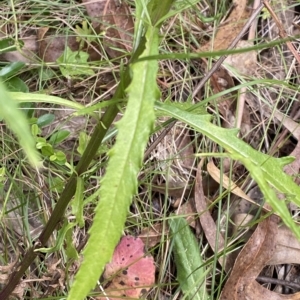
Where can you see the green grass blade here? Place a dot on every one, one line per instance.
(266, 170)
(120, 181)
(17, 123)
(188, 260)
(39, 98)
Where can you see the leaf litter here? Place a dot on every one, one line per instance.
(130, 273)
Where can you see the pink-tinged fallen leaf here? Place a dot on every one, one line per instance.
(130, 271)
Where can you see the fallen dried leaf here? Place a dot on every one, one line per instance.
(228, 184)
(52, 47)
(28, 53)
(4, 277)
(245, 63)
(188, 211)
(131, 273)
(117, 23)
(232, 27)
(151, 236)
(253, 257)
(209, 227)
(287, 249)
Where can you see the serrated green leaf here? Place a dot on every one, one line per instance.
(120, 181)
(265, 170)
(158, 10)
(190, 274)
(74, 64)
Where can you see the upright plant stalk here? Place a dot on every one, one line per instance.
(157, 11)
(69, 190)
(65, 198)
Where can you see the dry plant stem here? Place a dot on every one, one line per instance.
(295, 114)
(96, 139)
(242, 97)
(158, 139)
(232, 45)
(290, 284)
(282, 31)
(63, 202)
(253, 26)
(241, 105)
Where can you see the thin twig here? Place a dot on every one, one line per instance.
(293, 285)
(282, 33)
(232, 45)
(242, 94)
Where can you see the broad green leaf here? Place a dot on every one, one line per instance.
(59, 136)
(158, 10)
(45, 120)
(9, 44)
(11, 69)
(59, 157)
(190, 274)
(120, 181)
(265, 170)
(16, 84)
(17, 122)
(74, 64)
(82, 142)
(35, 130)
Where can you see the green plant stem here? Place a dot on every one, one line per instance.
(64, 199)
(91, 149)
(69, 190)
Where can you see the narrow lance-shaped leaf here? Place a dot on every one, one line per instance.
(120, 181)
(190, 274)
(18, 124)
(265, 170)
